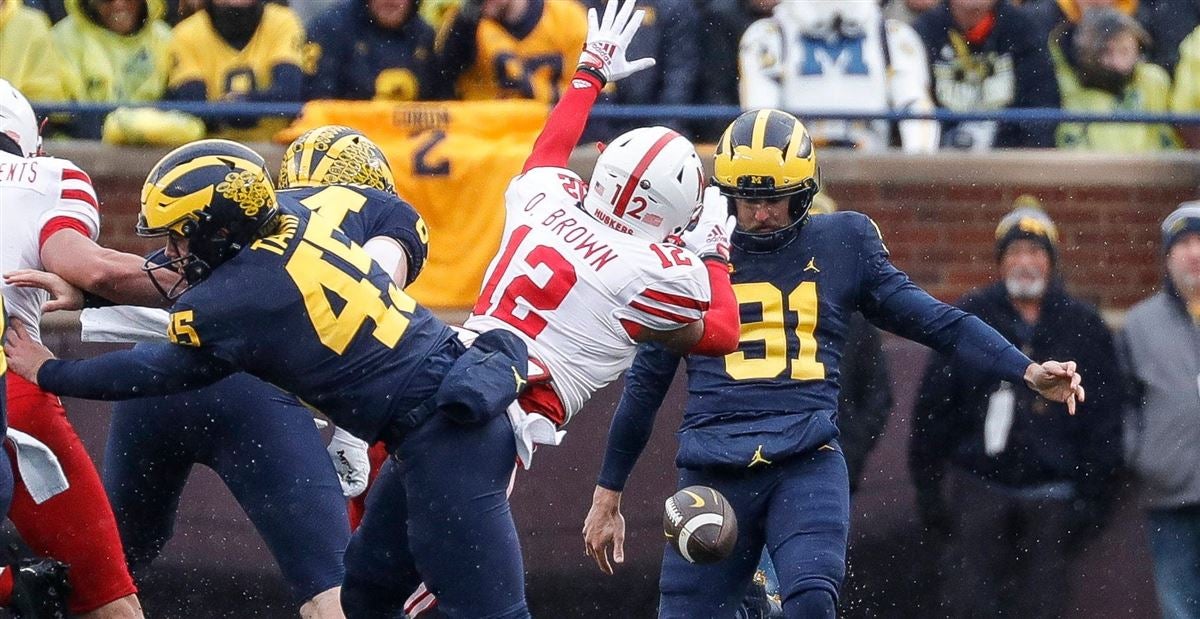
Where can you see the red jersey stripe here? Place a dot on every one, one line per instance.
(675, 299)
(81, 195)
(61, 223)
(72, 174)
(661, 313)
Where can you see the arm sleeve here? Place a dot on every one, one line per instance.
(565, 125)
(909, 89)
(185, 66)
(76, 207)
(388, 215)
(646, 384)
(287, 83)
(668, 304)
(148, 370)
(890, 300)
(761, 65)
(285, 57)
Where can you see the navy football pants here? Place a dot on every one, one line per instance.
(800, 509)
(438, 511)
(264, 446)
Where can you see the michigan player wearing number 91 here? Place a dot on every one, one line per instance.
(760, 423)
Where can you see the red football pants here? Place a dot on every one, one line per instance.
(76, 527)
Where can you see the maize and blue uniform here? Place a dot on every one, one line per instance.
(261, 441)
(306, 309)
(760, 424)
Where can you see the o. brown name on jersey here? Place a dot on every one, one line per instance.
(581, 239)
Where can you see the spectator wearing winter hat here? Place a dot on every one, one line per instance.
(1160, 344)
(1019, 482)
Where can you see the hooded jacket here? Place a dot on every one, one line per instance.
(101, 65)
(1045, 445)
(27, 57)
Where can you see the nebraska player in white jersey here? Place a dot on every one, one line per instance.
(584, 273)
(49, 220)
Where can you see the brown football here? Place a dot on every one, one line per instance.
(700, 524)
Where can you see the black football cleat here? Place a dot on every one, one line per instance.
(40, 589)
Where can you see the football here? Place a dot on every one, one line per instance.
(700, 524)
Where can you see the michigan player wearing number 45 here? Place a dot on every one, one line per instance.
(760, 423)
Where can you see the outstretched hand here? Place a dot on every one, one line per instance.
(608, 40)
(25, 355)
(1057, 382)
(64, 296)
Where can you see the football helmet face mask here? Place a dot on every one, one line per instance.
(766, 155)
(335, 155)
(648, 183)
(18, 121)
(216, 195)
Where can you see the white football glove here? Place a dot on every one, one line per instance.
(710, 236)
(349, 455)
(608, 40)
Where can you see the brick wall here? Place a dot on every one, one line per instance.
(938, 213)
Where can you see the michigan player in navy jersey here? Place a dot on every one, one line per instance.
(760, 424)
(261, 441)
(296, 301)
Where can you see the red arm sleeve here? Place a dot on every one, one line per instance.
(722, 321)
(565, 124)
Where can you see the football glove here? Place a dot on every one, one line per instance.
(349, 455)
(709, 238)
(608, 40)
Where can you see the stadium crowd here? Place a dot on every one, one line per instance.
(910, 55)
(994, 466)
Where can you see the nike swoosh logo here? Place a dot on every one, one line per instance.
(697, 500)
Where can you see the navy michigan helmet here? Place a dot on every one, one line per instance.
(216, 195)
(767, 155)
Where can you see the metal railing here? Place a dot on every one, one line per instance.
(716, 113)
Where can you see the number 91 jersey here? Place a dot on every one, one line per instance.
(573, 288)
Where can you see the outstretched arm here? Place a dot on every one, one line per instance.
(603, 60)
(646, 383)
(147, 370)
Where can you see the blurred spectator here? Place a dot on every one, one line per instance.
(238, 50)
(1161, 348)
(1026, 484)
(373, 49)
(1185, 98)
(512, 49)
(435, 12)
(721, 27)
(907, 11)
(987, 55)
(1051, 14)
(27, 57)
(840, 56)
(1168, 22)
(670, 34)
(113, 50)
(1102, 71)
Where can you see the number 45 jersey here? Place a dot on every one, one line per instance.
(572, 287)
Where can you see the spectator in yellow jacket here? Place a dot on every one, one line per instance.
(1102, 70)
(113, 50)
(27, 58)
(1185, 99)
